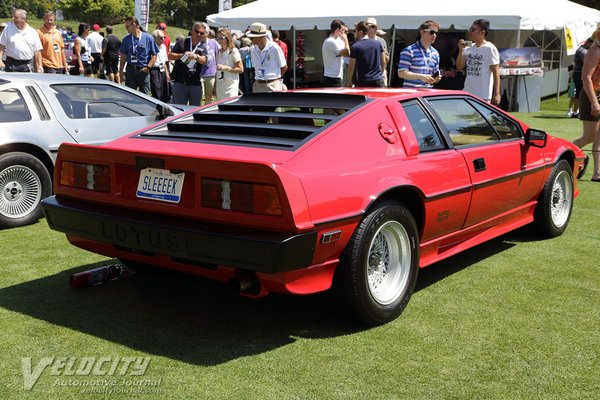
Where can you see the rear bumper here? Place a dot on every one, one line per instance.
(181, 239)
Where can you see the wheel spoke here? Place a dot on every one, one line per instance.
(388, 262)
(21, 191)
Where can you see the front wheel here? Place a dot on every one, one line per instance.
(555, 204)
(378, 269)
(24, 182)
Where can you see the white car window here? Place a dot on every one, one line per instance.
(13, 107)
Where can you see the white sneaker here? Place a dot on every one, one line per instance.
(569, 113)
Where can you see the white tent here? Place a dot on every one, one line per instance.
(503, 14)
(512, 21)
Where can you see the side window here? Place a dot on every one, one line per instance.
(506, 128)
(101, 101)
(427, 135)
(13, 107)
(465, 125)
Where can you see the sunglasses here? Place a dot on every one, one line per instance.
(431, 31)
(199, 32)
(221, 37)
(160, 37)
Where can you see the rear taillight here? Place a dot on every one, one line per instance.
(85, 176)
(258, 198)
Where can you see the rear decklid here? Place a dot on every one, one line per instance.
(251, 126)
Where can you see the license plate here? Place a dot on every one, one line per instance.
(160, 184)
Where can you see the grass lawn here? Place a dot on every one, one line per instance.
(516, 318)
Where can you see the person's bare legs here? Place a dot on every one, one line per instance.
(590, 135)
(596, 157)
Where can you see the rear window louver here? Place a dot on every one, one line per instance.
(283, 120)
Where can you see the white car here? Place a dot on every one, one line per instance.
(38, 112)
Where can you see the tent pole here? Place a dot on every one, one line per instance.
(293, 66)
(560, 60)
(391, 62)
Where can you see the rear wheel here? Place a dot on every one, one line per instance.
(24, 182)
(555, 204)
(378, 269)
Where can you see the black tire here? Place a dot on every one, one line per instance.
(24, 182)
(555, 204)
(379, 267)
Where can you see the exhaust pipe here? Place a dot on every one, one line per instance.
(246, 284)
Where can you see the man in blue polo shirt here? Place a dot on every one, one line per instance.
(419, 64)
(139, 50)
(367, 57)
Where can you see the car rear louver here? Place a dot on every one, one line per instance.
(282, 120)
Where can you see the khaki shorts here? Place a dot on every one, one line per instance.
(274, 86)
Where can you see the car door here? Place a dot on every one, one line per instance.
(97, 113)
(506, 175)
(438, 171)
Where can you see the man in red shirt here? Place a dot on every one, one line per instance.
(281, 44)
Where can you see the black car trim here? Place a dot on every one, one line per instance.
(181, 238)
(279, 120)
(42, 112)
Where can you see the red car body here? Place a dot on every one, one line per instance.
(280, 189)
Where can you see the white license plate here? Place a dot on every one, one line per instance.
(160, 184)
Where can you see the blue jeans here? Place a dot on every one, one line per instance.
(183, 93)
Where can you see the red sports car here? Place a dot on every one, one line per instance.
(296, 192)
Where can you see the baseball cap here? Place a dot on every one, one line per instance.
(96, 27)
(162, 26)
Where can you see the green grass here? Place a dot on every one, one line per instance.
(516, 318)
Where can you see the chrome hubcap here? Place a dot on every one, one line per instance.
(388, 263)
(21, 191)
(562, 195)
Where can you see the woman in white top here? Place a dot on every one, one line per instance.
(81, 50)
(229, 66)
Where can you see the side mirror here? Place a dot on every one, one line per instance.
(163, 112)
(535, 138)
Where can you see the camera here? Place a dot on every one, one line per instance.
(436, 74)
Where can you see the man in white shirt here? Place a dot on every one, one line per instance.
(95, 40)
(334, 48)
(20, 46)
(482, 62)
(267, 59)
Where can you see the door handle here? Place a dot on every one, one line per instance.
(387, 132)
(479, 164)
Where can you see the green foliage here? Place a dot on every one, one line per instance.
(102, 12)
(183, 13)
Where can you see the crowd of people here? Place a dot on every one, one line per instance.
(206, 65)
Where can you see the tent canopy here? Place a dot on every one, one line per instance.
(503, 15)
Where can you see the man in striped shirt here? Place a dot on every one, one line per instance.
(419, 64)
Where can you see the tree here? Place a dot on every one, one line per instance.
(183, 13)
(102, 12)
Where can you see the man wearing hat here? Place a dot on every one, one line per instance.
(163, 27)
(267, 59)
(95, 42)
(372, 32)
